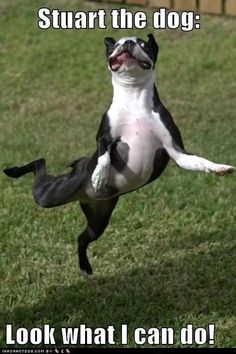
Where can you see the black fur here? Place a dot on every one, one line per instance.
(110, 43)
(161, 160)
(16, 172)
(98, 214)
(167, 120)
(154, 47)
(150, 47)
(119, 155)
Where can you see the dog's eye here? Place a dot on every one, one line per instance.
(142, 44)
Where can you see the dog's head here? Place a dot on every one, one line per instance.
(131, 55)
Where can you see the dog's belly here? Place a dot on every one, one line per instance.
(132, 161)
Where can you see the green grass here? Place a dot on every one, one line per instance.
(168, 258)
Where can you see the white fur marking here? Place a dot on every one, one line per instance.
(188, 162)
(86, 275)
(101, 172)
(197, 163)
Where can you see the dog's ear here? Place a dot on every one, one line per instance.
(109, 41)
(153, 45)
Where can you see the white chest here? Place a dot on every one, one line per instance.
(136, 128)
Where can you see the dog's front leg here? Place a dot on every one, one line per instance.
(197, 163)
(172, 142)
(101, 172)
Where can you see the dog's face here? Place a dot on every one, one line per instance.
(131, 55)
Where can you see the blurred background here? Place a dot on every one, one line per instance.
(227, 7)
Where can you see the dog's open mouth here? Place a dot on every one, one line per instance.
(118, 60)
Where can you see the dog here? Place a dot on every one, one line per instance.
(135, 141)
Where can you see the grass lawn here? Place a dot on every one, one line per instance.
(168, 258)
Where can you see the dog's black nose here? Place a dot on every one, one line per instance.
(129, 43)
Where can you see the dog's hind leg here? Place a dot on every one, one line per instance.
(34, 166)
(51, 191)
(98, 214)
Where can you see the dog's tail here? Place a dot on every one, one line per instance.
(34, 166)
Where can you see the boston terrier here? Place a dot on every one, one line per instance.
(135, 140)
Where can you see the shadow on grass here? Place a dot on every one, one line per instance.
(194, 285)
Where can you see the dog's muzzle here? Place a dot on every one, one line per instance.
(127, 53)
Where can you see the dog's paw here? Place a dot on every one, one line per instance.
(100, 176)
(223, 170)
(12, 172)
(86, 275)
(101, 172)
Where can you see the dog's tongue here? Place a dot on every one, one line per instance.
(122, 57)
(117, 61)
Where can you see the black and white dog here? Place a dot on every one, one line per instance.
(136, 138)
